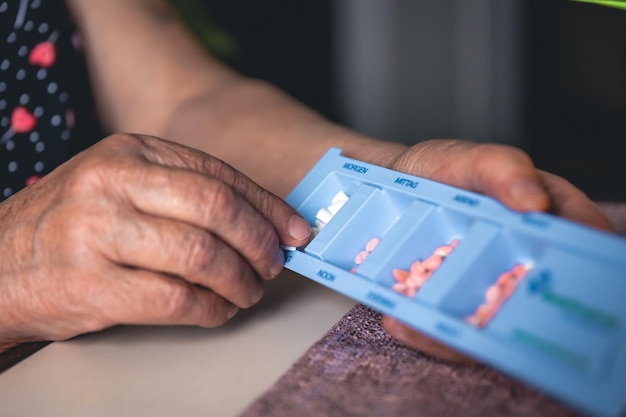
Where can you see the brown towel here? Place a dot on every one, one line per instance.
(356, 369)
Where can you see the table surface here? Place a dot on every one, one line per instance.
(165, 371)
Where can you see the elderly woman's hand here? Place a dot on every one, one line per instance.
(137, 230)
(502, 172)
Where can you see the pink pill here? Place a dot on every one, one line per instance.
(400, 275)
(372, 244)
(417, 267)
(505, 279)
(508, 290)
(482, 315)
(432, 262)
(403, 289)
(518, 271)
(416, 280)
(494, 295)
(473, 319)
(360, 257)
(410, 292)
(486, 312)
(443, 251)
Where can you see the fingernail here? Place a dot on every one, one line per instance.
(258, 294)
(233, 310)
(525, 190)
(280, 263)
(299, 228)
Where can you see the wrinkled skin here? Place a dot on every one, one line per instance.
(137, 230)
(183, 94)
(502, 172)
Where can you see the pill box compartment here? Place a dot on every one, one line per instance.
(563, 327)
(322, 193)
(369, 212)
(500, 256)
(408, 228)
(423, 228)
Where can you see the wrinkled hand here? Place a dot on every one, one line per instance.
(502, 172)
(137, 230)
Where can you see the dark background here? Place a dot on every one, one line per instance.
(574, 76)
(576, 94)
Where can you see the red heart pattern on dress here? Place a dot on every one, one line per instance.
(32, 179)
(22, 120)
(39, 73)
(43, 54)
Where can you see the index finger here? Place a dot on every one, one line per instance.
(571, 203)
(212, 205)
(504, 173)
(291, 228)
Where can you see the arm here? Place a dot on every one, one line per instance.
(137, 230)
(152, 77)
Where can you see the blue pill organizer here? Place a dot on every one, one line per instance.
(561, 326)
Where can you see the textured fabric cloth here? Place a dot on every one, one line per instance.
(46, 108)
(356, 369)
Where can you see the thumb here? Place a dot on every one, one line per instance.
(499, 171)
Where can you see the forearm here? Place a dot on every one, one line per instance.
(268, 135)
(142, 62)
(152, 77)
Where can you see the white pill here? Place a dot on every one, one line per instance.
(324, 215)
(340, 197)
(334, 208)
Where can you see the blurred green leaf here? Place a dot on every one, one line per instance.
(620, 4)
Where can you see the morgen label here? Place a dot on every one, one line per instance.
(354, 167)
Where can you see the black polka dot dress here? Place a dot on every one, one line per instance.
(46, 110)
